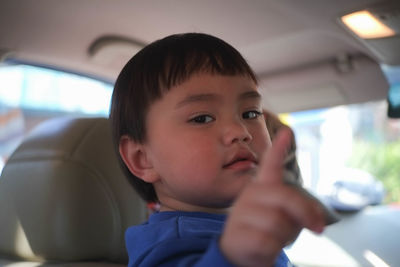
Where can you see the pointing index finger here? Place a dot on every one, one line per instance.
(271, 165)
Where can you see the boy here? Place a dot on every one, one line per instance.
(188, 123)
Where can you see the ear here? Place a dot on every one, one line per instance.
(136, 159)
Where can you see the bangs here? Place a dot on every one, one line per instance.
(174, 59)
(181, 64)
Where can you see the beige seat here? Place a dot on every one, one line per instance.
(64, 200)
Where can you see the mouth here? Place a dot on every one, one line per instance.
(241, 161)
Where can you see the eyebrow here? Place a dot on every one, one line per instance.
(212, 97)
(196, 98)
(250, 94)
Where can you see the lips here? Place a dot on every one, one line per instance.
(241, 160)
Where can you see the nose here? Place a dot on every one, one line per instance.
(236, 131)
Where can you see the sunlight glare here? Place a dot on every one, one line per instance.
(374, 259)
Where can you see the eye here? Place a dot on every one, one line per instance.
(202, 119)
(252, 114)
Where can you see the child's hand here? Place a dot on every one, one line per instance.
(268, 214)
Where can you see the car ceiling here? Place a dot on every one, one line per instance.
(296, 47)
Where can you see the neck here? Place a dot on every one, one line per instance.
(190, 208)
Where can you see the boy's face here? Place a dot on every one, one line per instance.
(205, 139)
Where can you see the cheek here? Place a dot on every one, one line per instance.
(191, 169)
(261, 136)
(198, 153)
(188, 154)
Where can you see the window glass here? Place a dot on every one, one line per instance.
(350, 155)
(30, 87)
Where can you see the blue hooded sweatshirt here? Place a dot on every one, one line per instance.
(180, 239)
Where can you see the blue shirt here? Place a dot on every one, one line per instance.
(173, 238)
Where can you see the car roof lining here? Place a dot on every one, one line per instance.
(274, 36)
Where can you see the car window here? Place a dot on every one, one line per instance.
(357, 143)
(350, 154)
(349, 157)
(31, 94)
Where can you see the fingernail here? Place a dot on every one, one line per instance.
(319, 228)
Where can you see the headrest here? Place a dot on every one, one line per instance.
(63, 196)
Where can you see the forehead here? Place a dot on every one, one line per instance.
(210, 84)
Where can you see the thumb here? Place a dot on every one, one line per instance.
(271, 167)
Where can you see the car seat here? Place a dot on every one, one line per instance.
(64, 200)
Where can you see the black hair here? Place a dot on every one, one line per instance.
(154, 70)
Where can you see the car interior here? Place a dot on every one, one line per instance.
(64, 200)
